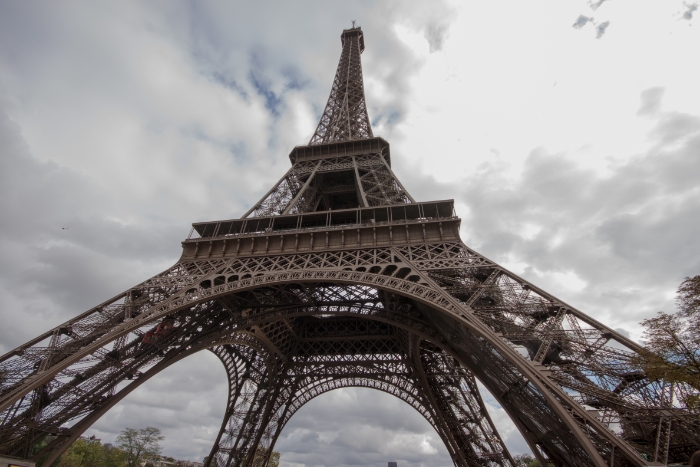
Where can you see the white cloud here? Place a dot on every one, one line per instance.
(570, 280)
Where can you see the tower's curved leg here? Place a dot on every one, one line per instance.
(463, 413)
(507, 384)
(152, 366)
(252, 386)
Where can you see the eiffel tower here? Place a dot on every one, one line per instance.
(338, 278)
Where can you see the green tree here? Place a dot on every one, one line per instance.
(526, 460)
(138, 445)
(274, 459)
(673, 344)
(259, 459)
(39, 446)
(113, 456)
(82, 453)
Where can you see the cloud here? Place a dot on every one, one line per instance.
(153, 118)
(595, 5)
(126, 122)
(651, 101)
(581, 21)
(601, 28)
(433, 20)
(187, 401)
(374, 427)
(61, 253)
(691, 8)
(436, 34)
(627, 235)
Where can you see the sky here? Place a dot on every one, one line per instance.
(568, 134)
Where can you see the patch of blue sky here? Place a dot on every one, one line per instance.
(229, 83)
(387, 118)
(272, 101)
(293, 79)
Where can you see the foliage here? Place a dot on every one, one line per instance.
(689, 298)
(39, 446)
(673, 344)
(82, 453)
(259, 460)
(526, 460)
(138, 445)
(113, 457)
(274, 459)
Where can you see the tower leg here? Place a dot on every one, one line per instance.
(252, 384)
(462, 418)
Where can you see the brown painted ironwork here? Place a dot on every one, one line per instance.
(345, 116)
(339, 278)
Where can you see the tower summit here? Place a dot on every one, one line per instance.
(345, 116)
(338, 278)
(344, 166)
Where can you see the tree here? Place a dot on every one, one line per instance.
(673, 344)
(526, 460)
(39, 446)
(259, 459)
(113, 456)
(274, 459)
(138, 445)
(83, 453)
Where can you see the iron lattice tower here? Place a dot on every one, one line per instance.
(339, 278)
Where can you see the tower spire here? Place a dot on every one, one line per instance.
(345, 116)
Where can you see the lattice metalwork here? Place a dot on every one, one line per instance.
(338, 278)
(345, 117)
(332, 184)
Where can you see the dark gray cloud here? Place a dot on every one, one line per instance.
(61, 251)
(690, 9)
(186, 401)
(374, 427)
